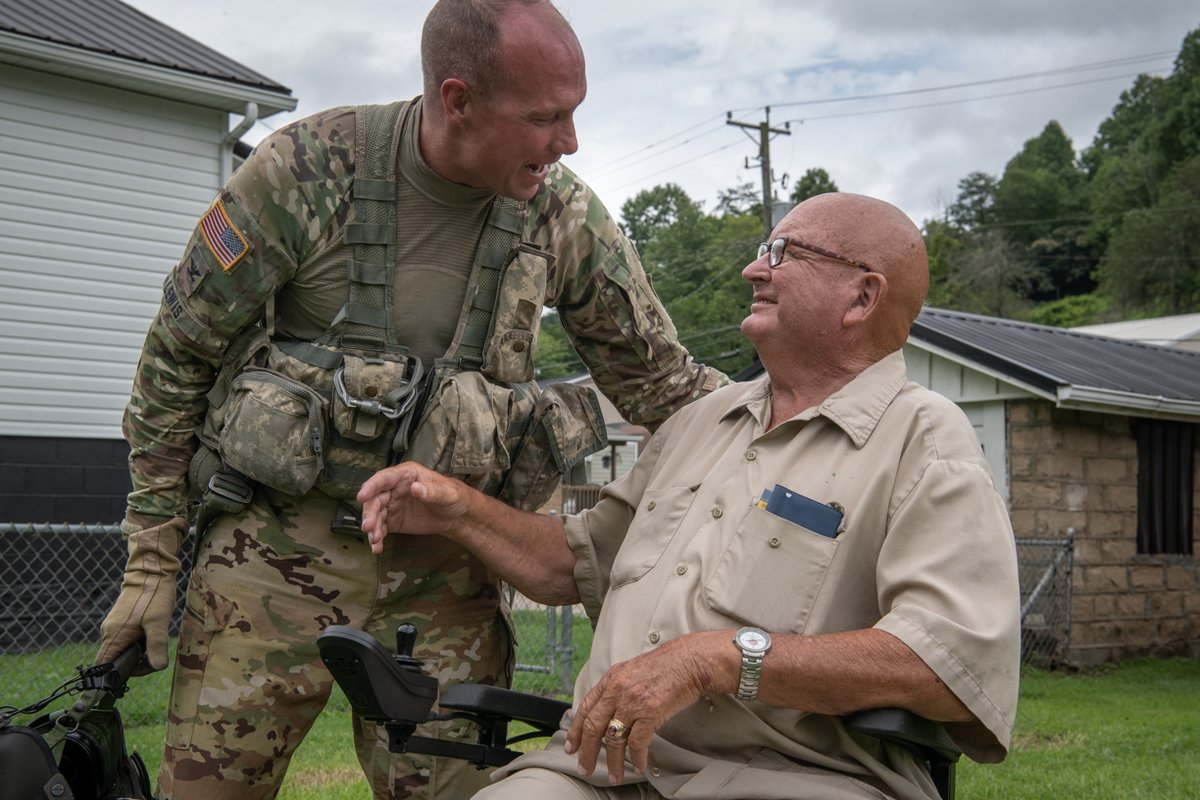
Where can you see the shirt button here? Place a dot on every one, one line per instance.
(716, 512)
(655, 771)
(751, 455)
(773, 541)
(654, 638)
(650, 506)
(681, 569)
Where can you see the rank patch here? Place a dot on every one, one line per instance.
(224, 240)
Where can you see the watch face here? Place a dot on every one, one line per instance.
(752, 639)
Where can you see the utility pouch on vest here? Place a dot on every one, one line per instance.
(517, 316)
(274, 430)
(470, 427)
(567, 426)
(370, 393)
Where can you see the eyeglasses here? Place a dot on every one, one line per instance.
(775, 250)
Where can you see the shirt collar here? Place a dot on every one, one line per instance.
(422, 177)
(856, 408)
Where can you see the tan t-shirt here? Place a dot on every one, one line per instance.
(925, 552)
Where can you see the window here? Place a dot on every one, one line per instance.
(1166, 475)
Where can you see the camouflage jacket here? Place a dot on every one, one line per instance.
(287, 206)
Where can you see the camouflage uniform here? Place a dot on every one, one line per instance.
(248, 680)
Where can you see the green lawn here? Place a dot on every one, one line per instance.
(1123, 732)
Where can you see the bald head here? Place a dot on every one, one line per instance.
(877, 234)
(463, 39)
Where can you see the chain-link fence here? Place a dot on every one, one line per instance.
(58, 581)
(1045, 574)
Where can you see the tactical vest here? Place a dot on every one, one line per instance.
(294, 415)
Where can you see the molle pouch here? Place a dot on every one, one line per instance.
(274, 430)
(508, 357)
(466, 429)
(371, 394)
(567, 427)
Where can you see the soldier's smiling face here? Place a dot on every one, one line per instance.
(527, 123)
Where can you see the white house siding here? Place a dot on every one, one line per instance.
(980, 396)
(99, 191)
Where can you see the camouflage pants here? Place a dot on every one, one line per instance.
(249, 681)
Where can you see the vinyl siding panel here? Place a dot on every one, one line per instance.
(99, 191)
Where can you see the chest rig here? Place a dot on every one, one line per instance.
(329, 413)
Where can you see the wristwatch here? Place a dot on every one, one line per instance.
(754, 644)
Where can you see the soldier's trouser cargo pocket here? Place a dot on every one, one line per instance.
(274, 430)
(567, 426)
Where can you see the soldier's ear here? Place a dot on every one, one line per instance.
(457, 100)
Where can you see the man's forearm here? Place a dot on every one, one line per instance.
(527, 550)
(840, 673)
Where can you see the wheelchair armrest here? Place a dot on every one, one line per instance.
(925, 738)
(377, 687)
(543, 713)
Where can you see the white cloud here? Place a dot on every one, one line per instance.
(656, 69)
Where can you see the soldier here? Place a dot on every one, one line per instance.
(369, 286)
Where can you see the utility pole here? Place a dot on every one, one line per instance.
(764, 159)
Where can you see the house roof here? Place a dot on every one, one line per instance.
(1180, 330)
(1076, 370)
(93, 38)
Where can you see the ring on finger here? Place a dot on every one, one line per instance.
(615, 733)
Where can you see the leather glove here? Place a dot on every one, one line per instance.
(147, 595)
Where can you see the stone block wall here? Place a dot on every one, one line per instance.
(1078, 469)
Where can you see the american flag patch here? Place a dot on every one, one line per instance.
(224, 240)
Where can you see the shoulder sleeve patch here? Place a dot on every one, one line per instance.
(223, 239)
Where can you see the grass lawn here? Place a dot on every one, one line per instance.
(1124, 732)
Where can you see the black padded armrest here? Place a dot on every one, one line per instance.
(544, 712)
(900, 726)
(377, 687)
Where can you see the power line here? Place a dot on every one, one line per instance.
(1116, 62)
(1016, 93)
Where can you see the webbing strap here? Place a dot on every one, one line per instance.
(366, 319)
(501, 238)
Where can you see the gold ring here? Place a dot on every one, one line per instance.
(616, 732)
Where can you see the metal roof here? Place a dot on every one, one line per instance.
(1051, 359)
(110, 27)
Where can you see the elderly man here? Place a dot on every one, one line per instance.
(368, 288)
(786, 551)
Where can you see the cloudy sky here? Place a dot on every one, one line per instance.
(895, 99)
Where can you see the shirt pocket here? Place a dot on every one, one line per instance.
(654, 526)
(770, 573)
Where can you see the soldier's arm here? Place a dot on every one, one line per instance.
(278, 207)
(611, 313)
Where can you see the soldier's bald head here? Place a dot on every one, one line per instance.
(463, 39)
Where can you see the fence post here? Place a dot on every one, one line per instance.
(566, 652)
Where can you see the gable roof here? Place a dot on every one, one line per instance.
(1072, 368)
(108, 41)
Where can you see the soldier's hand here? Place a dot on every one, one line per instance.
(409, 498)
(147, 596)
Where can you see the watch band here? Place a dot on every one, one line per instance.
(753, 644)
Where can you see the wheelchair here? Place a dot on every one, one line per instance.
(396, 692)
(78, 753)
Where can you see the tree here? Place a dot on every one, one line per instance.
(1152, 264)
(975, 205)
(738, 200)
(813, 182)
(651, 211)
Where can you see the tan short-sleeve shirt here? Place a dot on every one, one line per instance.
(925, 552)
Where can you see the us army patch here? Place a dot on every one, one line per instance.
(225, 241)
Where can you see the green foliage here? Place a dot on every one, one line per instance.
(1071, 312)
(813, 182)
(1066, 240)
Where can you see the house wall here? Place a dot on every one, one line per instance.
(100, 189)
(1077, 469)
